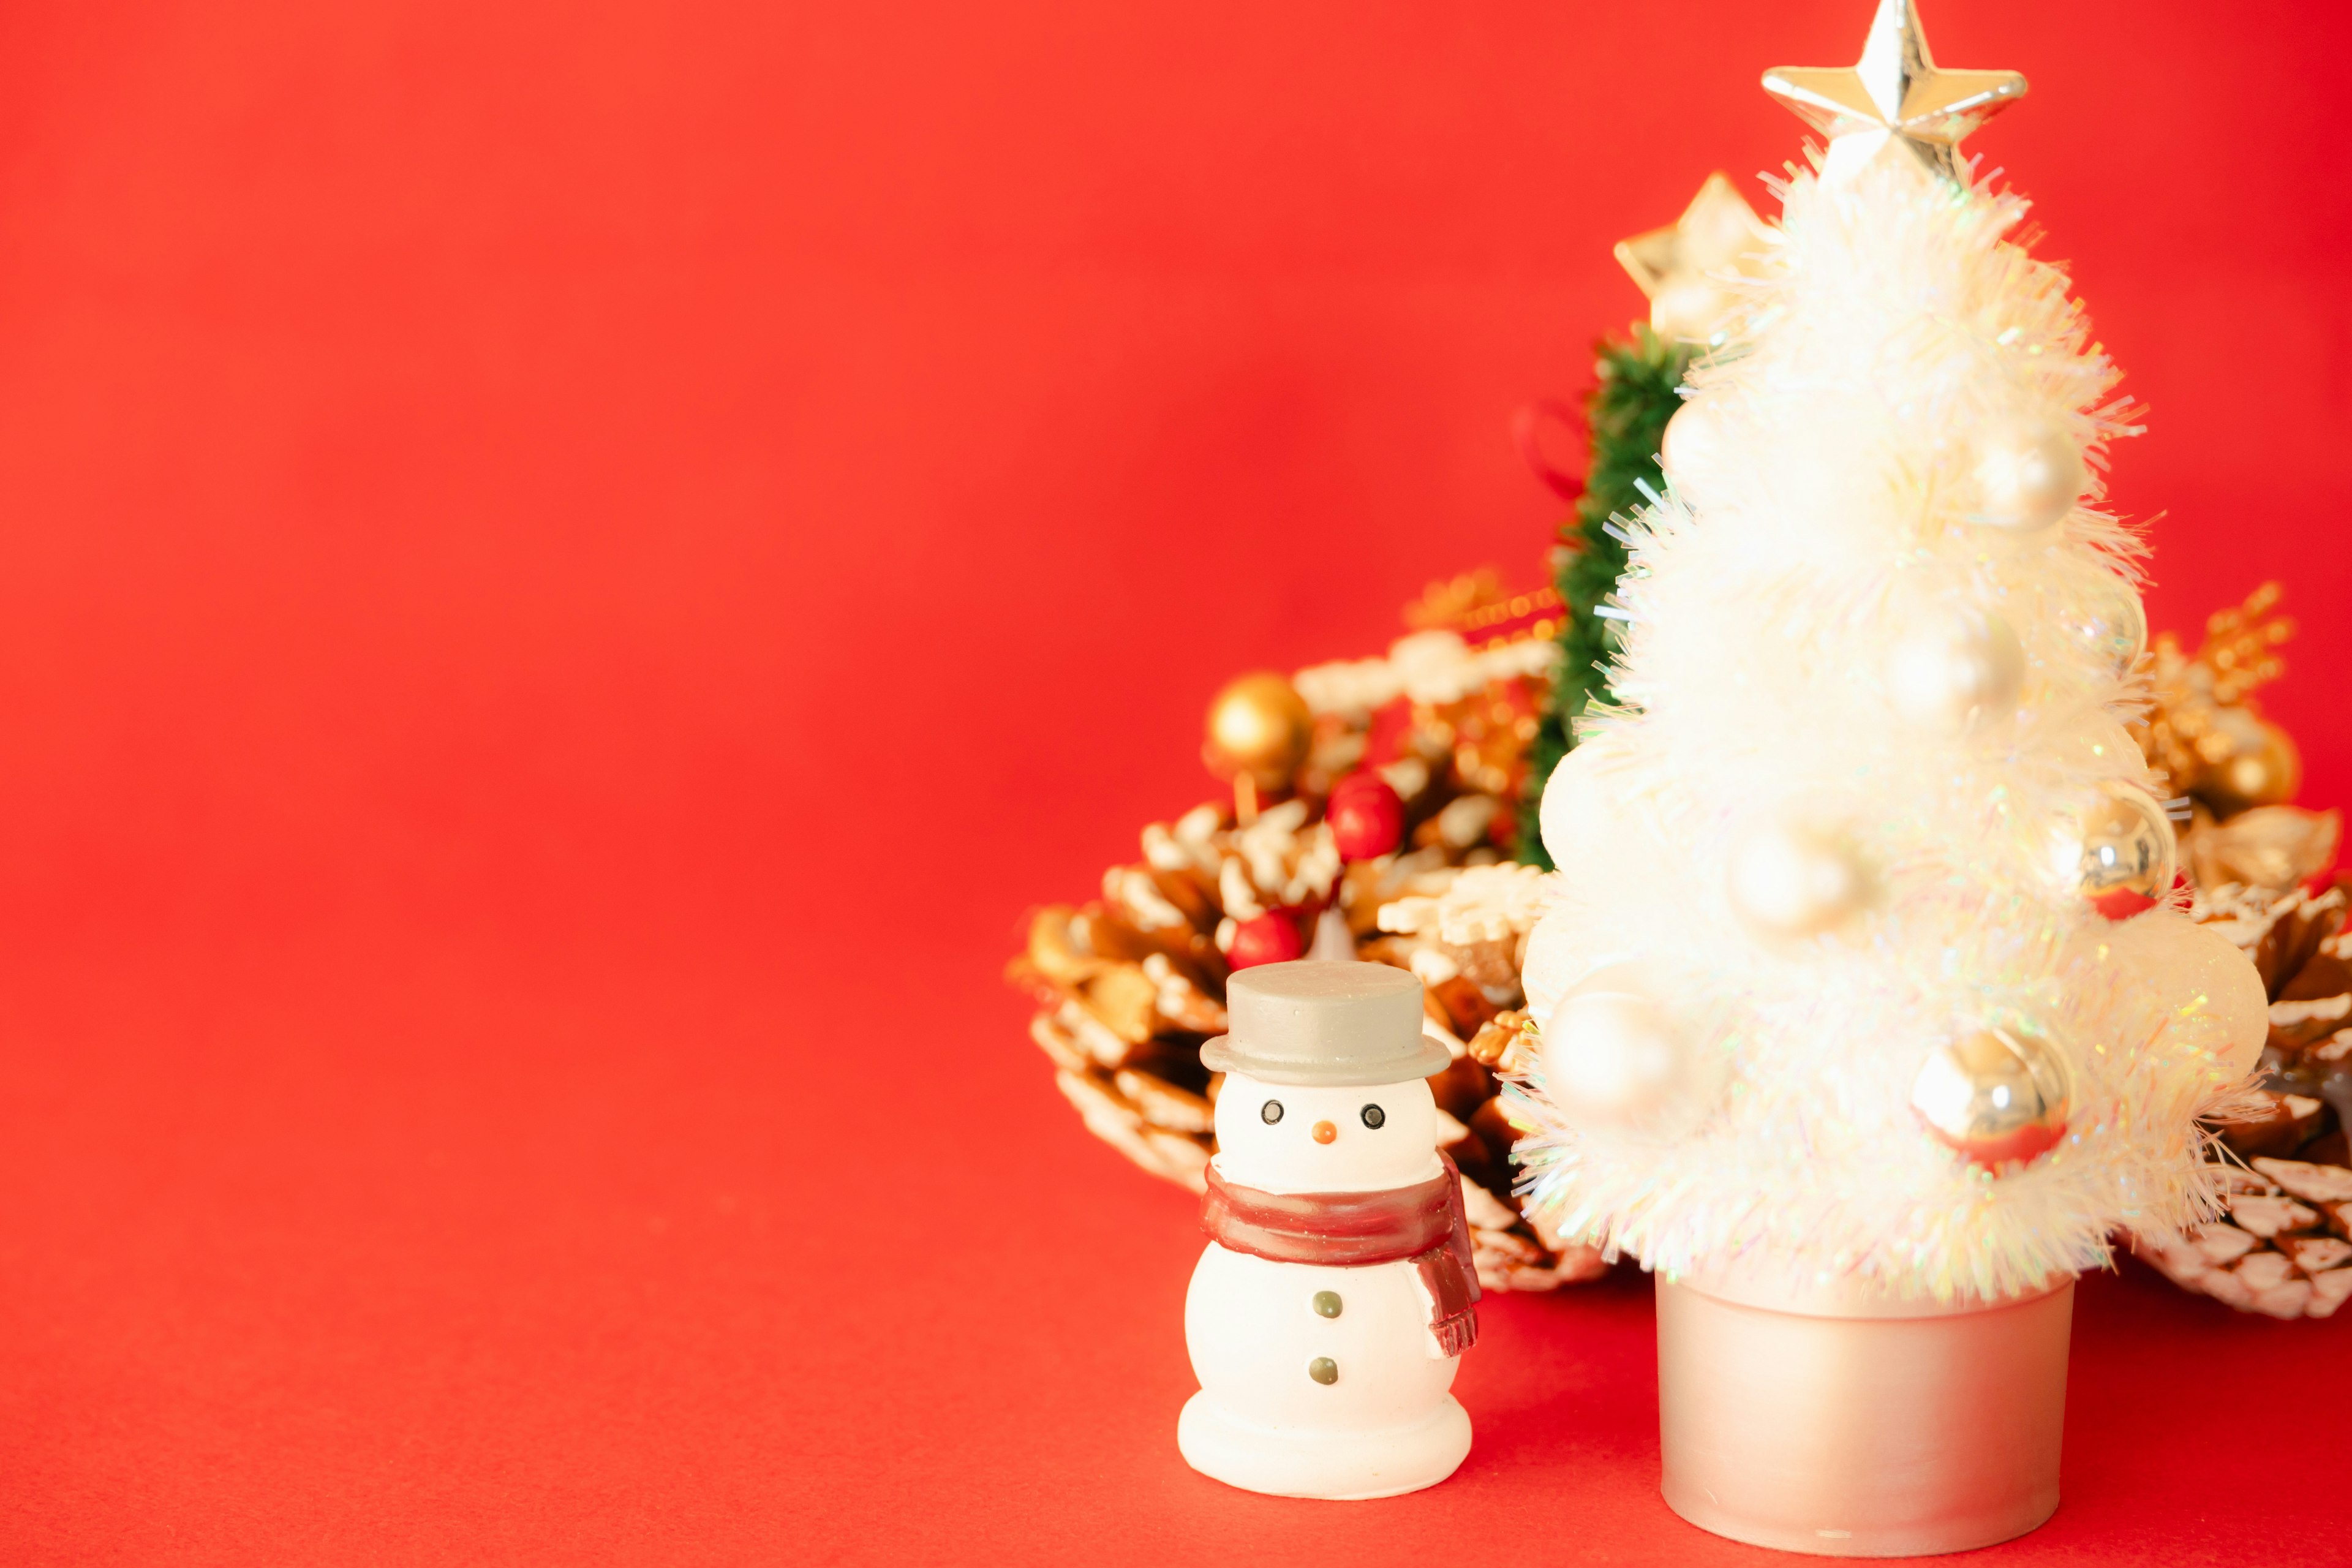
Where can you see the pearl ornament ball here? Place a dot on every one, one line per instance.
(1788, 883)
(1613, 1062)
(1956, 671)
(1691, 451)
(2111, 622)
(2168, 954)
(1549, 971)
(2028, 476)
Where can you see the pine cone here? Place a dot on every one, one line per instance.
(1130, 986)
(2286, 1247)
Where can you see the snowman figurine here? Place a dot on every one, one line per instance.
(1336, 1290)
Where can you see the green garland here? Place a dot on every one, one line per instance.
(1627, 413)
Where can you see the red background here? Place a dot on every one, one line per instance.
(571, 569)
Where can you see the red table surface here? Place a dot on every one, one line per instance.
(571, 570)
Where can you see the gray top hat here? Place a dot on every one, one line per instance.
(1314, 1022)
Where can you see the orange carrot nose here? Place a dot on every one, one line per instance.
(1324, 1133)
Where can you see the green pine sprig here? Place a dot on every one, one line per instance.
(1627, 412)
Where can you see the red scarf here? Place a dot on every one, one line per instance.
(1422, 1223)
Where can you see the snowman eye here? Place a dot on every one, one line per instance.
(1270, 1112)
(1374, 1116)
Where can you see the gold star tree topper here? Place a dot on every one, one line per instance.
(1686, 268)
(1893, 95)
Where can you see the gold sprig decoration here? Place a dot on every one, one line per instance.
(2204, 732)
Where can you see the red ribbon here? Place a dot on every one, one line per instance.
(1527, 424)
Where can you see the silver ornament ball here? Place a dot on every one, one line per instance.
(1789, 882)
(2117, 851)
(1956, 671)
(1999, 1097)
(2028, 476)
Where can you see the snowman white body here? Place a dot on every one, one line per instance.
(1379, 1419)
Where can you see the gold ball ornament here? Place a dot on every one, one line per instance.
(1999, 1097)
(2118, 852)
(2029, 476)
(1954, 671)
(2258, 764)
(1258, 726)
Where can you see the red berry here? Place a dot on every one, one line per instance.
(1270, 938)
(1366, 818)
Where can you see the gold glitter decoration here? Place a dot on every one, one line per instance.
(1486, 613)
(1487, 730)
(2203, 730)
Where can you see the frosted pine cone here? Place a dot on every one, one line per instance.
(1130, 986)
(2285, 1248)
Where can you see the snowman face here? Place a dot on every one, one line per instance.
(1287, 1138)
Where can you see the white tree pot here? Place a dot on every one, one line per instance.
(1854, 1429)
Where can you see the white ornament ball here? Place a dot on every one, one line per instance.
(1579, 812)
(2109, 623)
(1956, 671)
(2213, 997)
(1788, 882)
(1551, 964)
(2029, 476)
(1691, 451)
(1614, 1061)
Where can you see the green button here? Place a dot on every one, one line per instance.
(1323, 1369)
(1326, 1303)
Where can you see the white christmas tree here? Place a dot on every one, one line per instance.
(1864, 962)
